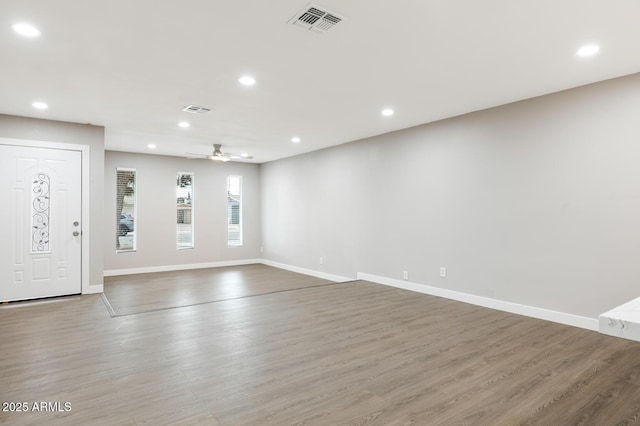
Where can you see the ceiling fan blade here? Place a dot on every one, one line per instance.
(237, 157)
(194, 156)
(217, 155)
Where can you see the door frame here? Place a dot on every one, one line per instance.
(85, 151)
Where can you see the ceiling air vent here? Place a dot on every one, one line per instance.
(196, 109)
(316, 18)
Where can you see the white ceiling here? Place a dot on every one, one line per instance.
(132, 65)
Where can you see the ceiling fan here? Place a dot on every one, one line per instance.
(218, 155)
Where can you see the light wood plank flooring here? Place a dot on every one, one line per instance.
(346, 354)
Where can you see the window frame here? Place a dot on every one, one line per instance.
(240, 230)
(191, 194)
(134, 214)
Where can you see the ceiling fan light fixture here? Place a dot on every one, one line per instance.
(217, 153)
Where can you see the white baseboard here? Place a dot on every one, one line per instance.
(501, 305)
(168, 268)
(310, 272)
(93, 289)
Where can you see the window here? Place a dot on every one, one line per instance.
(234, 210)
(184, 203)
(125, 209)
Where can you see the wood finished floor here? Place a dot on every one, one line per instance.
(346, 354)
(134, 294)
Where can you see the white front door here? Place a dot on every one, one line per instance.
(40, 193)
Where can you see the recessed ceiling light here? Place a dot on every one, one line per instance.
(588, 50)
(387, 112)
(184, 124)
(295, 139)
(244, 155)
(26, 30)
(39, 105)
(247, 80)
(152, 146)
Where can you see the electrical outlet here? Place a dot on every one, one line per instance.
(321, 260)
(443, 271)
(405, 275)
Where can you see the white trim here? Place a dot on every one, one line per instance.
(622, 321)
(87, 288)
(501, 305)
(168, 268)
(94, 289)
(85, 151)
(311, 272)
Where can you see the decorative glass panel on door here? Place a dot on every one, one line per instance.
(40, 213)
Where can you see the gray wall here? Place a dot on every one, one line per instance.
(156, 211)
(536, 202)
(71, 133)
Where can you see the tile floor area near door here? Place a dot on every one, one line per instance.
(351, 353)
(134, 294)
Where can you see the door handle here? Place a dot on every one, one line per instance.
(76, 233)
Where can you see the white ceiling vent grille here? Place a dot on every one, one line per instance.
(196, 109)
(316, 18)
